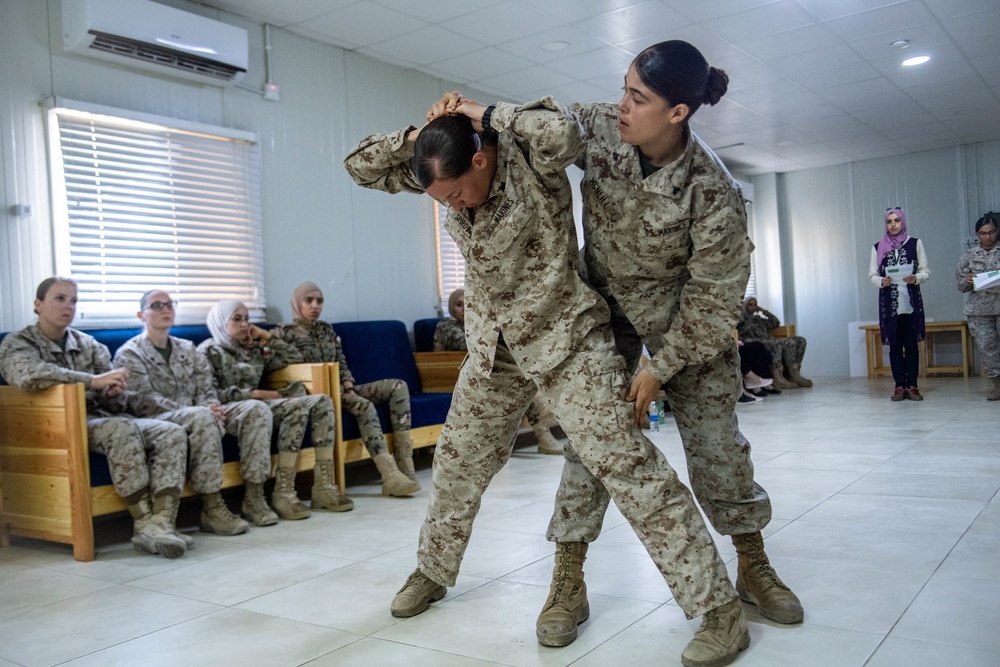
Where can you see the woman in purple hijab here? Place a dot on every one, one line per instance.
(898, 266)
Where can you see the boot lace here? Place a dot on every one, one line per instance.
(760, 562)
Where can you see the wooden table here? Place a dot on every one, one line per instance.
(877, 368)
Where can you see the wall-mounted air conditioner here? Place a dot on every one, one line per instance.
(150, 36)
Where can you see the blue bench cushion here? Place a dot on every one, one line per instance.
(426, 409)
(379, 349)
(423, 333)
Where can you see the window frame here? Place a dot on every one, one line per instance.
(220, 219)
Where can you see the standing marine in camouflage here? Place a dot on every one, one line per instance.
(146, 457)
(532, 324)
(667, 248)
(316, 341)
(449, 336)
(786, 353)
(240, 353)
(982, 310)
(173, 381)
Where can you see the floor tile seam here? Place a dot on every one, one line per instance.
(143, 634)
(881, 524)
(323, 655)
(900, 496)
(321, 626)
(67, 598)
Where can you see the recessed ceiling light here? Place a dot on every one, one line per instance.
(916, 60)
(784, 143)
(900, 44)
(554, 46)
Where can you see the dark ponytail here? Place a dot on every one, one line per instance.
(445, 147)
(677, 72)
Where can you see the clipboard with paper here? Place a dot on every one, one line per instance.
(986, 280)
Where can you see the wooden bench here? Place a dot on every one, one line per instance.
(878, 368)
(45, 463)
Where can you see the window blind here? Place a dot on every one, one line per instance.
(142, 205)
(451, 264)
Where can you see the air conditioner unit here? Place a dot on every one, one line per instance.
(150, 36)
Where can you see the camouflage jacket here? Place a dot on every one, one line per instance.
(239, 371)
(520, 245)
(30, 362)
(160, 387)
(976, 260)
(449, 336)
(672, 249)
(315, 342)
(756, 326)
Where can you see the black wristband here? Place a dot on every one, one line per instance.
(486, 117)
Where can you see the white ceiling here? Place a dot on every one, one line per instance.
(812, 82)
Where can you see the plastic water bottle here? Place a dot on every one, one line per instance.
(654, 417)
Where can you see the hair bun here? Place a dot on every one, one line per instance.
(718, 84)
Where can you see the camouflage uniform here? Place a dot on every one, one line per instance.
(754, 328)
(521, 258)
(449, 336)
(983, 308)
(316, 342)
(141, 453)
(181, 391)
(239, 371)
(671, 256)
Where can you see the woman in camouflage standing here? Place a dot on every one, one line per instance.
(533, 324)
(666, 245)
(983, 307)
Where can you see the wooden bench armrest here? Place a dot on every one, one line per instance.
(313, 376)
(44, 467)
(784, 331)
(439, 370)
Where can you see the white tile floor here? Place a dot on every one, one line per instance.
(886, 523)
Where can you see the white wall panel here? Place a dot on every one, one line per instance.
(26, 255)
(820, 236)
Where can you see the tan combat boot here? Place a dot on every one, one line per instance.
(758, 583)
(188, 540)
(995, 394)
(722, 635)
(567, 605)
(394, 483)
(797, 378)
(416, 595)
(148, 534)
(284, 500)
(402, 451)
(216, 517)
(547, 443)
(778, 371)
(255, 508)
(326, 494)
(165, 507)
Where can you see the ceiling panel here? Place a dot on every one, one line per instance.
(765, 20)
(648, 21)
(412, 47)
(880, 21)
(482, 64)
(812, 82)
(363, 24)
(502, 22)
